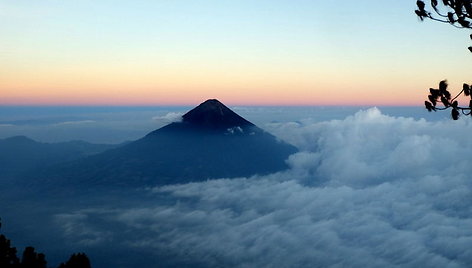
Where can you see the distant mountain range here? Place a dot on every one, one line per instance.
(211, 141)
(19, 154)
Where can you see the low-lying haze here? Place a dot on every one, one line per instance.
(120, 124)
(366, 190)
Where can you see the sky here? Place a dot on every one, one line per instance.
(242, 52)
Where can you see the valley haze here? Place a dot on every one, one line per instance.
(364, 190)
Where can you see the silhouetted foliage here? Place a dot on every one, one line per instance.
(7, 253)
(443, 96)
(31, 259)
(79, 260)
(457, 13)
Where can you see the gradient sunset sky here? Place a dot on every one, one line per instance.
(173, 52)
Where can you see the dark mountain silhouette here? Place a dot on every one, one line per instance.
(211, 141)
(19, 153)
(212, 114)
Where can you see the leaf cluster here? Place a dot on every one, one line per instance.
(443, 96)
(79, 260)
(457, 13)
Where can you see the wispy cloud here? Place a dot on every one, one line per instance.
(79, 122)
(74, 229)
(169, 117)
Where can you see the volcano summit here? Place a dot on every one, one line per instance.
(210, 142)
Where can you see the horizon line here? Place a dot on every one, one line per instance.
(193, 104)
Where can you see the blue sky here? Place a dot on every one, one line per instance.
(243, 52)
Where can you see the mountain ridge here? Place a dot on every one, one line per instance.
(21, 153)
(210, 142)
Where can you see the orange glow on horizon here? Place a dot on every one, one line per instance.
(279, 92)
(265, 86)
(164, 98)
(274, 58)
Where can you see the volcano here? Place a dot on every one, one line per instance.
(214, 114)
(211, 141)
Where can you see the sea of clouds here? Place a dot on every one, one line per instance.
(369, 190)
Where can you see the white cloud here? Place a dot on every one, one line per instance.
(74, 229)
(233, 130)
(78, 122)
(169, 117)
(367, 191)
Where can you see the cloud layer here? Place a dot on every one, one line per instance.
(367, 191)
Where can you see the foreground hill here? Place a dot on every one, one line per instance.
(211, 141)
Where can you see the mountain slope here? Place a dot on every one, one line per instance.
(211, 142)
(19, 153)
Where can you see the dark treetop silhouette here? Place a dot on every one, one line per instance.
(457, 13)
(210, 142)
(443, 96)
(32, 259)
